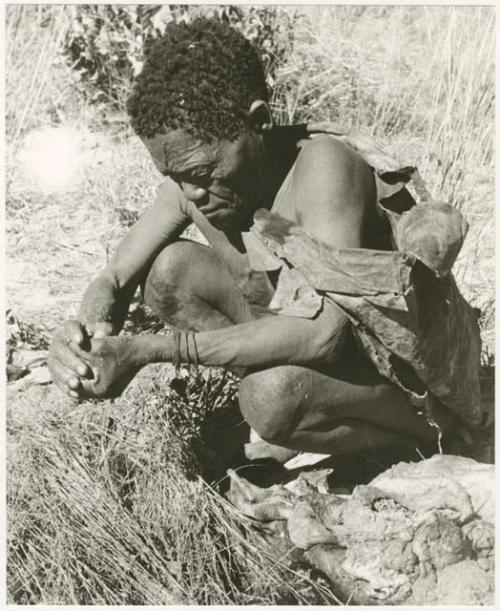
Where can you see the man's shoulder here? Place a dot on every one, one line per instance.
(326, 151)
(324, 157)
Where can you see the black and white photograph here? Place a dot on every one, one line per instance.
(249, 304)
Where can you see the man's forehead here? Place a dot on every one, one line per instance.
(177, 151)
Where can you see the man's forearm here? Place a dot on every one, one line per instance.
(103, 301)
(108, 297)
(267, 342)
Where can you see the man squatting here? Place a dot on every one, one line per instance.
(200, 106)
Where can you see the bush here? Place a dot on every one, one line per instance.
(105, 43)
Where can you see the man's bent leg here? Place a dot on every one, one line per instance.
(340, 409)
(189, 288)
(343, 409)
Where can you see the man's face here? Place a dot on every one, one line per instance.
(222, 178)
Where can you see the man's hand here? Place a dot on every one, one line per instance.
(113, 362)
(65, 362)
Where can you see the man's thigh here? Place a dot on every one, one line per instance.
(293, 401)
(189, 287)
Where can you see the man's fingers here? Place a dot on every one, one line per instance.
(63, 375)
(71, 360)
(64, 378)
(102, 329)
(89, 359)
(73, 331)
(88, 387)
(66, 353)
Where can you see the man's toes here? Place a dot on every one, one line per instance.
(259, 450)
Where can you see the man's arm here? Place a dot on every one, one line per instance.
(108, 297)
(267, 342)
(106, 301)
(332, 192)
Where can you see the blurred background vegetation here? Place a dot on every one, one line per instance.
(100, 510)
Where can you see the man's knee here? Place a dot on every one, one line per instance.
(271, 401)
(167, 277)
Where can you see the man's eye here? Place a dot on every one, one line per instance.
(198, 177)
(201, 173)
(195, 179)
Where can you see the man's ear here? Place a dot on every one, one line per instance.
(260, 117)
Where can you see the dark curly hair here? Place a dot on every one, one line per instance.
(200, 76)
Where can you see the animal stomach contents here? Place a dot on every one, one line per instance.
(419, 533)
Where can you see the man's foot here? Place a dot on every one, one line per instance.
(258, 449)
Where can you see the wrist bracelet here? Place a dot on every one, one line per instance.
(192, 354)
(191, 351)
(176, 351)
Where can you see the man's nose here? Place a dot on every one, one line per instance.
(194, 193)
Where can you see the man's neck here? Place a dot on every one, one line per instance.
(280, 152)
(280, 149)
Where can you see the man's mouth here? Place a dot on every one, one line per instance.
(218, 215)
(217, 203)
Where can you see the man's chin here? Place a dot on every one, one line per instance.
(222, 224)
(222, 219)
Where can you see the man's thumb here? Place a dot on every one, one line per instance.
(102, 329)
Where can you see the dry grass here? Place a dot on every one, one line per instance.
(103, 505)
(106, 507)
